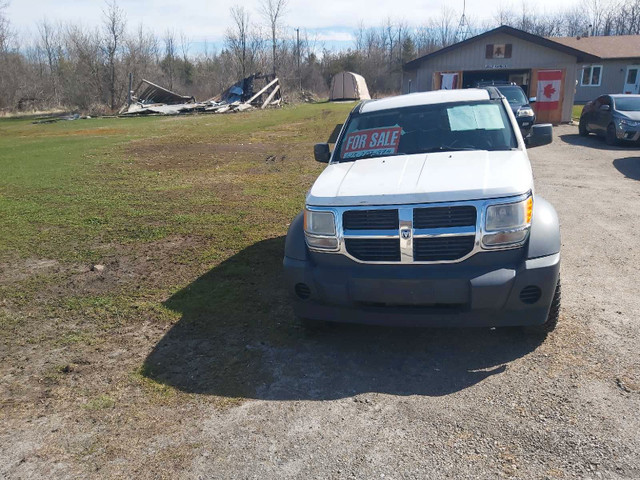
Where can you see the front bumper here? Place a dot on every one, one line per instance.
(627, 133)
(484, 291)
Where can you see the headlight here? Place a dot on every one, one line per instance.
(319, 223)
(628, 123)
(525, 112)
(320, 230)
(508, 223)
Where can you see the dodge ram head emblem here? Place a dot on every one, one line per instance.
(405, 233)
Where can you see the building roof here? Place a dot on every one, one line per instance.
(426, 98)
(580, 55)
(615, 46)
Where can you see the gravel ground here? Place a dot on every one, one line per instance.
(356, 402)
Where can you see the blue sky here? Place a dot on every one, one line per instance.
(331, 22)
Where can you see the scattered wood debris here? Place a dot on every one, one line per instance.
(152, 99)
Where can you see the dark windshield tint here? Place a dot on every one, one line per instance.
(482, 125)
(627, 104)
(514, 95)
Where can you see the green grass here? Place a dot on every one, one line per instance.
(575, 113)
(70, 187)
(158, 200)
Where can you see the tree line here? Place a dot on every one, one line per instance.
(73, 66)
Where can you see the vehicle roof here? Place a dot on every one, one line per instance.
(425, 98)
(623, 95)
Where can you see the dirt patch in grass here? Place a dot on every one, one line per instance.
(155, 156)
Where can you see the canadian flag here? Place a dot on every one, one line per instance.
(549, 84)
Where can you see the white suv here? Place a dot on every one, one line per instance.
(427, 215)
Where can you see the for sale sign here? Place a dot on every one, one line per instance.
(372, 142)
(549, 84)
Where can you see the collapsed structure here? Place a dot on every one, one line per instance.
(151, 99)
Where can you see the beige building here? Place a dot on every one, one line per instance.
(617, 69)
(544, 68)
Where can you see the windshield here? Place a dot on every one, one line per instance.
(514, 95)
(482, 125)
(627, 104)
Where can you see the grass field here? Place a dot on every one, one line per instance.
(187, 215)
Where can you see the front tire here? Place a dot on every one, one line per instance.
(611, 138)
(582, 128)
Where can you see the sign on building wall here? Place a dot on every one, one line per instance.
(498, 50)
(548, 92)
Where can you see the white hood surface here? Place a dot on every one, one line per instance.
(423, 178)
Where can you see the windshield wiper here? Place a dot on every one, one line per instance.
(445, 148)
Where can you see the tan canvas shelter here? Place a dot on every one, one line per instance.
(348, 86)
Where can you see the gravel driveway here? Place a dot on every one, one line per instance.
(357, 402)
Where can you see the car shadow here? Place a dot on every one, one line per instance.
(629, 167)
(591, 141)
(237, 338)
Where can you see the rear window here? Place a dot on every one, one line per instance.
(482, 125)
(514, 95)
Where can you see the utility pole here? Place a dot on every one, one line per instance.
(298, 51)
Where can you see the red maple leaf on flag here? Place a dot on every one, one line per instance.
(549, 90)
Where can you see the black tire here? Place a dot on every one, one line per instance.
(582, 128)
(554, 312)
(610, 138)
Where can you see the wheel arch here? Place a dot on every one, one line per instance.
(295, 245)
(544, 238)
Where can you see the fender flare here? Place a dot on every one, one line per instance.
(295, 245)
(544, 238)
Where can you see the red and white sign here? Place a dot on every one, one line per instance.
(374, 141)
(549, 84)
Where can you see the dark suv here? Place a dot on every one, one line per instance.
(518, 102)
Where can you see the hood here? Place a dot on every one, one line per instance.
(423, 178)
(631, 115)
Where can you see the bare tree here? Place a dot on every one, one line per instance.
(49, 45)
(237, 37)
(5, 28)
(273, 10)
(168, 63)
(114, 26)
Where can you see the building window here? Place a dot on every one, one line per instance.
(591, 76)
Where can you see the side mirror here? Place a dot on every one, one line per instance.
(321, 152)
(533, 99)
(605, 108)
(540, 135)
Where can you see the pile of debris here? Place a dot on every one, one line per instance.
(152, 99)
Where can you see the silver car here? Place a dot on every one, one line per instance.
(615, 117)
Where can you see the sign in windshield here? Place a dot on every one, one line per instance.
(482, 125)
(374, 141)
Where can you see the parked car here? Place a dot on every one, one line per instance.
(614, 117)
(520, 105)
(427, 215)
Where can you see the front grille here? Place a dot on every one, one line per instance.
(444, 217)
(436, 249)
(370, 220)
(374, 249)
